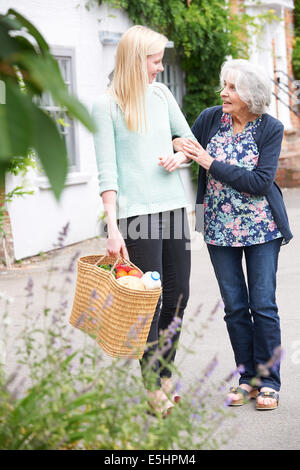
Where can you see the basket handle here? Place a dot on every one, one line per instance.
(116, 262)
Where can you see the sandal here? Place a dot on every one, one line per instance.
(245, 395)
(155, 413)
(164, 413)
(267, 394)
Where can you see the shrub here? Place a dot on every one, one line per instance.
(296, 58)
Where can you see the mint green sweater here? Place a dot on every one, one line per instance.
(128, 161)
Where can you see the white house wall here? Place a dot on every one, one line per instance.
(37, 219)
(262, 52)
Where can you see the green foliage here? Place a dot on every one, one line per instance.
(297, 17)
(27, 70)
(296, 48)
(296, 58)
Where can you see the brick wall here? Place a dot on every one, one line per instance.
(289, 34)
(288, 173)
(6, 237)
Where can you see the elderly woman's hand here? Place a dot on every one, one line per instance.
(178, 143)
(172, 162)
(197, 153)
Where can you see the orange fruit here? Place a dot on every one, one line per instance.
(134, 272)
(120, 273)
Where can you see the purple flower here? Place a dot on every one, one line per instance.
(80, 320)
(29, 287)
(94, 294)
(211, 367)
(62, 235)
(196, 417)
(108, 301)
(70, 268)
(228, 401)
(64, 304)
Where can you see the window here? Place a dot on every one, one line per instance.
(66, 125)
(172, 76)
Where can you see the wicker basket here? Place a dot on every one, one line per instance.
(118, 318)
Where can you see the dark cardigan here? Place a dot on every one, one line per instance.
(259, 182)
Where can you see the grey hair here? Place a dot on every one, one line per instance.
(251, 83)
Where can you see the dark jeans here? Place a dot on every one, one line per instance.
(161, 242)
(251, 313)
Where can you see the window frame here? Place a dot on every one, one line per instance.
(178, 87)
(69, 53)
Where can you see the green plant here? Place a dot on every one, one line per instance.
(17, 165)
(296, 58)
(296, 47)
(27, 70)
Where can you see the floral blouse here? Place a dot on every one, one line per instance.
(232, 218)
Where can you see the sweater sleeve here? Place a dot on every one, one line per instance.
(104, 142)
(178, 124)
(258, 181)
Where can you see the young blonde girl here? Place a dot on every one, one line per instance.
(141, 188)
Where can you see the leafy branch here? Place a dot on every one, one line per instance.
(27, 70)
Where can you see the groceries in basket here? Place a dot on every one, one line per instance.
(103, 308)
(121, 270)
(131, 282)
(151, 280)
(133, 278)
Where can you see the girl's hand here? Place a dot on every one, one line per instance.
(172, 162)
(116, 245)
(197, 153)
(179, 142)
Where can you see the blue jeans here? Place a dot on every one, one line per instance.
(251, 313)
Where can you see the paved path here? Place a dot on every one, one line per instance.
(279, 429)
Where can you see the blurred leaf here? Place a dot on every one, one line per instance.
(8, 45)
(45, 73)
(31, 29)
(51, 149)
(69, 359)
(28, 66)
(15, 127)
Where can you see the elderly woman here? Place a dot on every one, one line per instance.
(244, 214)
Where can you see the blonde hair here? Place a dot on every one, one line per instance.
(130, 78)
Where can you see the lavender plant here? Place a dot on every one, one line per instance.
(66, 394)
